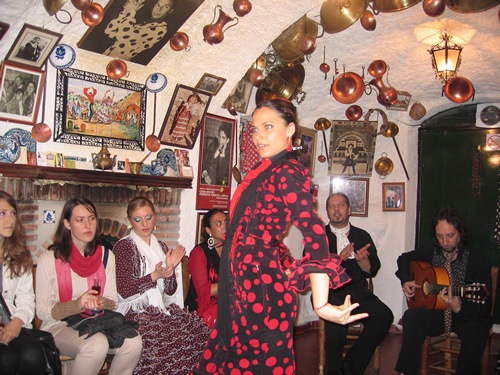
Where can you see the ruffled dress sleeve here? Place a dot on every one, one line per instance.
(294, 184)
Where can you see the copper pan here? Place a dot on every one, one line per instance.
(287, 44)
(348, 87)
(471, 6)
(393, 5)
(338, 15)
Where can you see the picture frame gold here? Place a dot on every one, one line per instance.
(356, 189)
(393, 196)
(199, 227)
(210, 83)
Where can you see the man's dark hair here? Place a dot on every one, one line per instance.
(452, 217)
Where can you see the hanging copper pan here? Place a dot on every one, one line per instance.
(393, 5)
(348, 88)
(471, 6)
(287, 44)
(338, 15)
(459, 90)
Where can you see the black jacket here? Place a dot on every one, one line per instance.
(478, 271)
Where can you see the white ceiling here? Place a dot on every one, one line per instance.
(401, 39)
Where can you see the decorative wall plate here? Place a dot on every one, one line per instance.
(10, 150)
(62, 57)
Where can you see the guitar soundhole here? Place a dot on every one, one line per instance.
(425, 288)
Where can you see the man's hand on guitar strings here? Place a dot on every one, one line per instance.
(454, 302)
(409, 288)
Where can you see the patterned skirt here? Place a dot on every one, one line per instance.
(172, 344)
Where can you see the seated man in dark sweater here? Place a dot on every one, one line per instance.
(359, 258)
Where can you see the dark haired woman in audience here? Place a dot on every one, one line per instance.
(204, 265)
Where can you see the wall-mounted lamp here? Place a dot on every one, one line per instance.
(446, 58)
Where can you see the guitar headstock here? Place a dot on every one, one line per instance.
(476, 292)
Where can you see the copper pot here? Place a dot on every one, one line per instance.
(339, 15)
(354, 112)
(377, 68)
(286, 44)
(459, 90)
(307, 44)
(384, 166)
(348, 88)
(179, 41)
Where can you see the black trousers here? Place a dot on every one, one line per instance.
(23, 356)
(420, 322)
(375, 329)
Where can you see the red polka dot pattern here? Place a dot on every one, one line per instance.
(263, 303)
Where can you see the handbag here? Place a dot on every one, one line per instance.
(49, 348)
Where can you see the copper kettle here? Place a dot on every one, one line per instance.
(103, 160)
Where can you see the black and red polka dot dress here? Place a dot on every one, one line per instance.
(262, 297)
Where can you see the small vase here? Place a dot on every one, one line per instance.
(387, 96)
(214, 33)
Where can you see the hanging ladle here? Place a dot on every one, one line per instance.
(323, 124)
(321, 157)
(152, 141)
(387, 129)
(41, 131)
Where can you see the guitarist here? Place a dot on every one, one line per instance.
(359, 257)
(470, 321)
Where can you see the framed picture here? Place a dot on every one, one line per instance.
(215, 165)
(33, 46)
(95, 110)
(240, 96)
(356, 189)
(3, 29)
(21, 88)
(393, 196)
(210, 83)
(307, 153)
(200, 228)
(129, 31)
(184, 117)
(352, 147)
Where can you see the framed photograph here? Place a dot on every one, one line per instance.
(352, 147)
(356, 189)
(306, 139)
(240, 96)
(3, 29)
(210, 83)
(215, 164)
(200, 228)
(393, 196)
(33, 46)
(95, 110)
(137, 30)
(21, 88)
(184, 117)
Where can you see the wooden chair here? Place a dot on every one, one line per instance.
(353, 332)
(443, 350)
(66, 360)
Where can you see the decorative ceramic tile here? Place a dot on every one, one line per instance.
(49, 216)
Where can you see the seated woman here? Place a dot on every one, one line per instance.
(21, 354)
(64, 281)
(204, 267)
(173, 338)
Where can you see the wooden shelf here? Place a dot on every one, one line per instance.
(91, 177)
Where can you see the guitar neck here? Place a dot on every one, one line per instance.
(437, 288)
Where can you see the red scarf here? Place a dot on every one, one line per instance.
(246, 181)
(90, 267)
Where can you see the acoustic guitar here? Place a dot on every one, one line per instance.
(432, 280)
